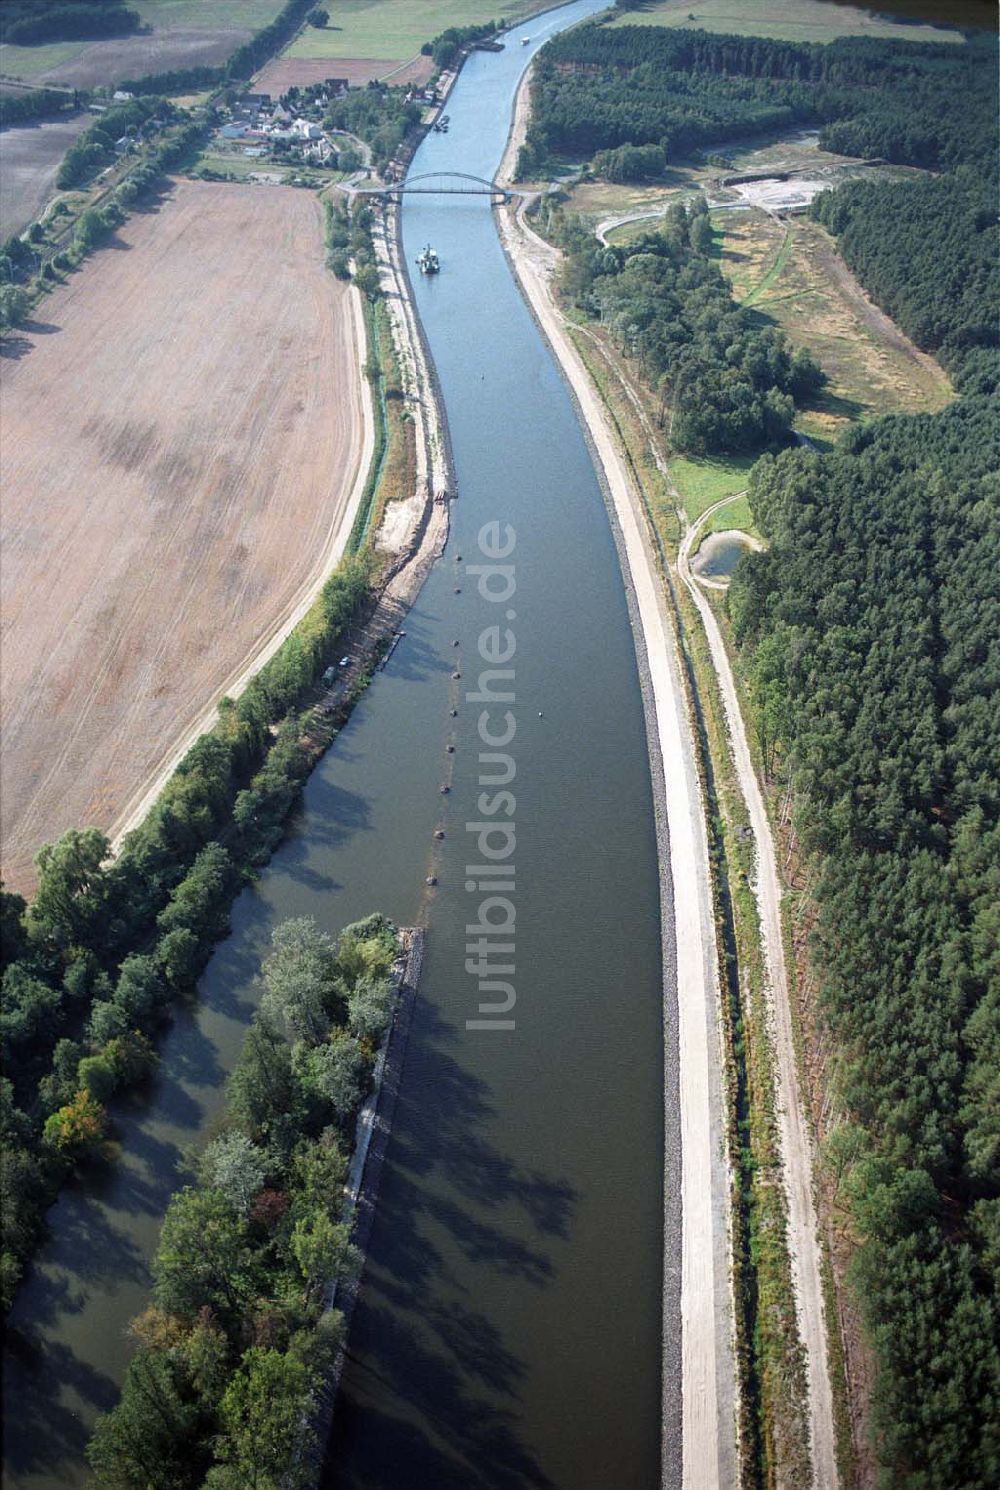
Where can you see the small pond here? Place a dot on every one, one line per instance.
(720, 553)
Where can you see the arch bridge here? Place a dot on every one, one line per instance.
(453, 184)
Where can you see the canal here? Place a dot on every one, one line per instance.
(508, 1328)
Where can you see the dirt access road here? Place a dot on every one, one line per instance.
(793, 1129)
(180, 444)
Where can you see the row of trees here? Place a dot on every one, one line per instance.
(232, 1349)
(95, 147)
(445, 47)
(23, 258)
(599, 89)
(38, 103)
(868, 631)
(24, 22)
(105, 945)
(725, 384)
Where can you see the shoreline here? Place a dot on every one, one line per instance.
(699, 1438)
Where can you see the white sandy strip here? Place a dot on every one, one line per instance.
(793, 1129)
(708, 1390)
(341, 523)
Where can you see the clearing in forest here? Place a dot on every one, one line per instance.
(179, 440)
(789, 272)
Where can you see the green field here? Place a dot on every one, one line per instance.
(395, 30)
(735, 514)
(28, 62)
(785, 20)
(206, 15)
(699, 483)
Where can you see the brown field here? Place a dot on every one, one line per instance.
(301, 72)
(177, 444)
(29, 158)
(133, 56)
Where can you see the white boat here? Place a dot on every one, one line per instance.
(428, 261)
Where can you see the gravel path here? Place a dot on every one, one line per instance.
(793, 1130)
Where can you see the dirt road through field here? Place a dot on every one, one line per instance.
(181, 444)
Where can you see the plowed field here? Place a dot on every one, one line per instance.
(178, 443)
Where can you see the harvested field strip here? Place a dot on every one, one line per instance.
(785, 20)
(772, 273)
(165, 511)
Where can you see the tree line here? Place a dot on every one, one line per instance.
(26, 22)
(232, 1350)
(868, 633)
(445, 47)
(38, 103)
(95, 148)
(725, 384)
(90, 967)
(599, 89)
(926, 251)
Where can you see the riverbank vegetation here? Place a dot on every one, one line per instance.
(724, 385)
(232, 1350)
(106, 944)
(874, 675)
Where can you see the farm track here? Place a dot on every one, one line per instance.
(171, 508)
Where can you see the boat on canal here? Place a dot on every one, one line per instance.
(428, 261)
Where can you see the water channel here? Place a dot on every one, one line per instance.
(508, 1329)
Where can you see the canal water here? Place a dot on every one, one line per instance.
(508, 1327)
